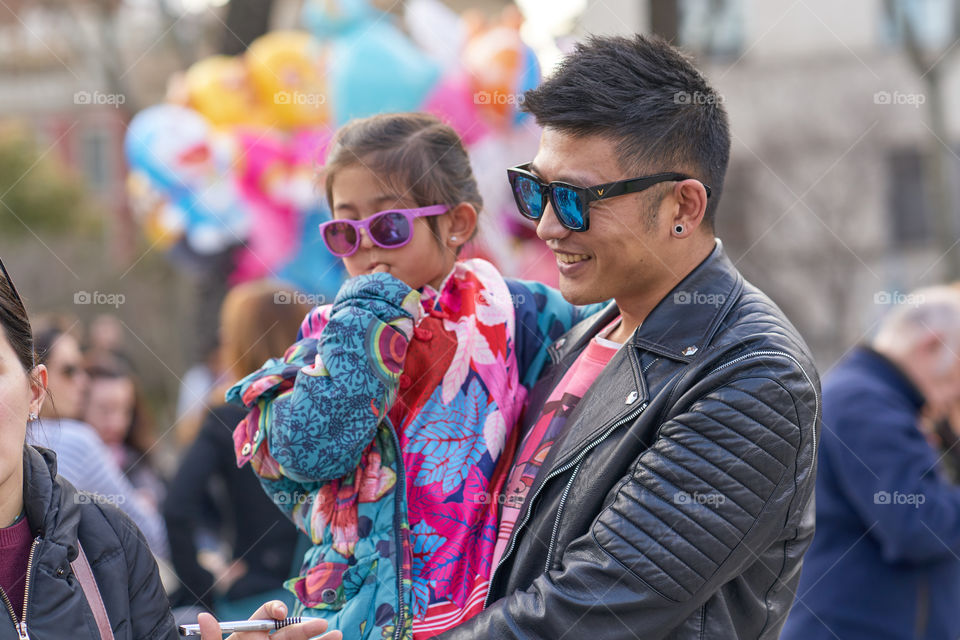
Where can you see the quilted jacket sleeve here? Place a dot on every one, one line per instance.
(713, 490)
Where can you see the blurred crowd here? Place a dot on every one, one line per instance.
(889, 466)
(202, 517)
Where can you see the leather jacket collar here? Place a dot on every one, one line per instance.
(683, 321)
(677, 328)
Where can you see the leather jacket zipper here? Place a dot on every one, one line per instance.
(513, 538)
(563, 498)
(21, 623)
(578, 461)
(556, 523)
(397, 515)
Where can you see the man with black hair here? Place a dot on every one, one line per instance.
(663, 484)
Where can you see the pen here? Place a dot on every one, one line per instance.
(241, 625)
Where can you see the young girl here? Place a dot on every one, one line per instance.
(384, 432)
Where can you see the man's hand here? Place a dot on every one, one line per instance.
(273, 610)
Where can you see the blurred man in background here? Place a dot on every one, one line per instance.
(884, 562)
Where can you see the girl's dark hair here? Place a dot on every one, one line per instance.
(16, 325)
(416, 153)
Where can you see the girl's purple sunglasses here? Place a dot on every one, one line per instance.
(390, 229)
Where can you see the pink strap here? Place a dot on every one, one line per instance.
(81, 569)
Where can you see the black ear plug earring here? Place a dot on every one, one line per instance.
(678, 229)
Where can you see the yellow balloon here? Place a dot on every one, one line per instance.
(287, 72)
(219, 88)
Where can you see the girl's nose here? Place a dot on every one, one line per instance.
(365, 241)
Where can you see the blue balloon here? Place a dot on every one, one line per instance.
(529, 79)
(174, 148)
(376, 69)
(331, 18)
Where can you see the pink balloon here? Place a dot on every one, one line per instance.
(272, 239)
(452, 101)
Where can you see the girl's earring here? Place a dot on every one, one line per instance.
(33, 416)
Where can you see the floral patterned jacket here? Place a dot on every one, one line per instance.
(379, 433)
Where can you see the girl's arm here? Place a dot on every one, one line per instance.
(318, 407)
(542, 315)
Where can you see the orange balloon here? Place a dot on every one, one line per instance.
(493, 58)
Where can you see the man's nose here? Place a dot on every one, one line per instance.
(549, 227)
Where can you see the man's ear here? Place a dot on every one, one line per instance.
(691, 198)
(461, 224)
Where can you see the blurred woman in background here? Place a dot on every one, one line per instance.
(82, 457)
(116, 409)
(257, 321)
(70, 565)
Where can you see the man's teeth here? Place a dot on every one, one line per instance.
(570, 258)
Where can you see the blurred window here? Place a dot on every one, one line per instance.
(713, 28)
(934, 22)
(912, 222)
(96, 158)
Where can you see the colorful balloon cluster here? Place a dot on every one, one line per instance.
(228, 162)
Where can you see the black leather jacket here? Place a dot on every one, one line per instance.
(122, 564)
(678, 502)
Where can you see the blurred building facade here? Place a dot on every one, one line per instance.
(828, 204)
(830, 198)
